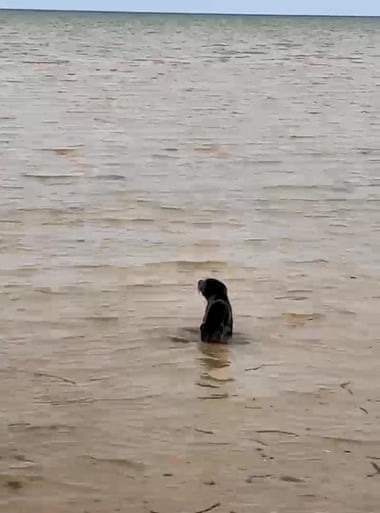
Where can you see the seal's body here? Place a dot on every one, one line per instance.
(217, 322)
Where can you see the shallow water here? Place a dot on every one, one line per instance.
(137, 155)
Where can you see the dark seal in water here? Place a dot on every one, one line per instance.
(217, 321)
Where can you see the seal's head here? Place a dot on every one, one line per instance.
(212, 288)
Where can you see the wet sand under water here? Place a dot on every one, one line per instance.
(261, 169)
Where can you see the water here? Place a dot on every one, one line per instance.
(137, 155)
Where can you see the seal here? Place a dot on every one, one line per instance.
(217, 321)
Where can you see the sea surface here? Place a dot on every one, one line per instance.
(138, 154)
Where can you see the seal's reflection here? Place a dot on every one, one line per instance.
(216, 361)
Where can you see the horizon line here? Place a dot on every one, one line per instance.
(188, 13)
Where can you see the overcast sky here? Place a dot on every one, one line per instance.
(333, 7)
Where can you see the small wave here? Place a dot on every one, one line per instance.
(52, 177)
(63, 151)
(112, 177)
(185, 265)
(255, 241)
(56, 61)
(141, 220)
(192, 335)
(298, 319)
(101, 318)
(172, 208)
(217, 224)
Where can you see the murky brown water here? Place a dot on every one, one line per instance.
(139, 154)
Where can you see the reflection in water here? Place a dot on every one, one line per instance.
(215, 362)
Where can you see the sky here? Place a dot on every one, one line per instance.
(312, 7)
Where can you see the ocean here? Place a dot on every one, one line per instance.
(138, 154)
